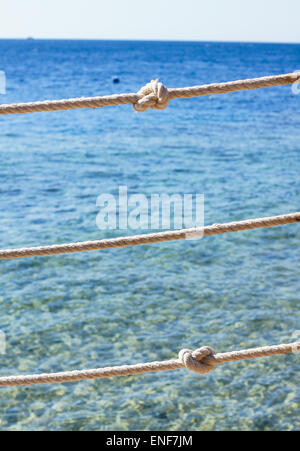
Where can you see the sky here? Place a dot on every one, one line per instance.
(197, 20)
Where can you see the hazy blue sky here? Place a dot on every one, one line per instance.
(233, 20)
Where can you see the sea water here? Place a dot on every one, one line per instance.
(144, 303)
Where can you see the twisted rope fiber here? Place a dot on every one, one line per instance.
(201, 361)
(135, 240)
(153, 95)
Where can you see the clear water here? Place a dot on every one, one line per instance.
(148, 302)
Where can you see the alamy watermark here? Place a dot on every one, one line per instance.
(151, 212)
(296, 339)
(296, 84)
(2, 82)
(2, 343)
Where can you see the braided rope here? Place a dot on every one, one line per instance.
(135, 240)
(201, 361)
(154, 95)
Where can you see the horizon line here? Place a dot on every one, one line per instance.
(32, 38)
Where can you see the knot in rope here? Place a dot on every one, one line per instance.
(199, 361)
(155, 96)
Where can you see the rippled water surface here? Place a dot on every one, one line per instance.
(146, 303)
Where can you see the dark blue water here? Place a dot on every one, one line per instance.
(146, 303)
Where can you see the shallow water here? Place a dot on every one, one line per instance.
(146, 303)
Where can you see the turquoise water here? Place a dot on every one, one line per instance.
(146, 303)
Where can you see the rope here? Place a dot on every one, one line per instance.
(154, 95)
(201, 361)
(135, 240)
